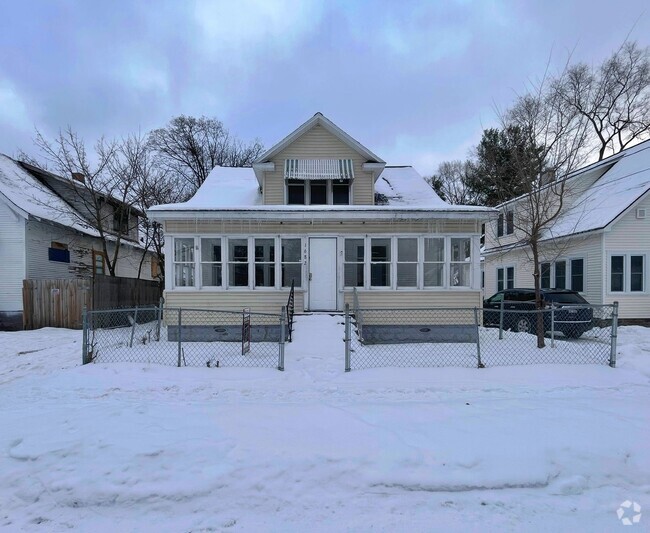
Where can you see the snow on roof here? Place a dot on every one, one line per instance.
(27, 194)
(616, 190)
(403, 186)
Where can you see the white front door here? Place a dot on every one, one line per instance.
(322, 274)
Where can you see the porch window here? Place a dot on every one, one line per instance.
(318, 192)
(434, 261)
(380, 262)
(637, 274)
(291, 262)
(296, 192)
(407, 262)
(341, 192)
(354, 263)
(238, 262)
(184, 271)
(577, 274)
(545, 275)
(560, 274)
(264, 262)
(211, 265)
(460, 268)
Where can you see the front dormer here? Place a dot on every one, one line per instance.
(318, 164)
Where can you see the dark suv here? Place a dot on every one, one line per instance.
(573, 316)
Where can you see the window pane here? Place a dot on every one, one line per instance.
(354, 249)
(211, 273)
(499, 279)
(184, 250)
(296, 192)
(545, 275)
(341, 193)
(459, 275)
(210, 250)
(380, 249)
(577, 275)
(560, 275)
(636, 273)
(407, 275)
(500, 226)
(434, 249)
(380, 274)
(318, 192)
(407, 250)
(433, 274)
(460, 249)
(238, 274)
(238, 250)
(291, 250)
(353, 273)
(510, 277)
(265, 274)
(264, 250)
(292, 272)
(184, 274)
(617, 273)
(510, 223)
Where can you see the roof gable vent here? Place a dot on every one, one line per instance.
(640, 212)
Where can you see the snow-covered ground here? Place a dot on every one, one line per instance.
(136, 447)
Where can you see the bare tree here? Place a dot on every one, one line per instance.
(190, 148)
(614, 97)
(452, 182)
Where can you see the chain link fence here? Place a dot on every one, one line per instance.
(476, 337)
(185, 337)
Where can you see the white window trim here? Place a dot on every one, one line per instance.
(505, 268)
(627, 273)
(568, 274)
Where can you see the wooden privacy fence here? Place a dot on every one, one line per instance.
(59, 303)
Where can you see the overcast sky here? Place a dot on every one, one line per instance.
(416, 82)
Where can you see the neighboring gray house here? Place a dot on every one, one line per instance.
(43, 236)
(320, 210)
(599, 246)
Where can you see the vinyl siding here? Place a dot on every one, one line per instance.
(630, 235)
(12, 258)
(372, 299)
(318, 143)
(234, 300)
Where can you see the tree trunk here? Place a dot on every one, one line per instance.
(539, 322)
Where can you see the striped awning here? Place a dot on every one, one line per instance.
(318, 169)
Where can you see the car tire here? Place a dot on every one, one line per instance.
(521, 325)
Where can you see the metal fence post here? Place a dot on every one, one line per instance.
(84, 348)
(552, 325)
(135, 321)
(283, 332)
(478, 339)
(612, 354)
(159, 318)
(501, 320)
(347, 339)
(179, 336)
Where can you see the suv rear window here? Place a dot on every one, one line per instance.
(564, 298)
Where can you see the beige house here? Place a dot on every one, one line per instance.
(324, 213)
(599, 246)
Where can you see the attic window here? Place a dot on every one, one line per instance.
(318, 169)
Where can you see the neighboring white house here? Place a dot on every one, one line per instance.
(43, 237)
(599, 246)
(321, 211)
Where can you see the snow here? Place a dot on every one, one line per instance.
(29, 195)
(404, 186)
(610, 195)
(136, 447)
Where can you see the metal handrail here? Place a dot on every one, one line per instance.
(290, 310)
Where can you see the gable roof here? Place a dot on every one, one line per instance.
(319, 120)
(617, 189)
(403, 185)
(26, 195)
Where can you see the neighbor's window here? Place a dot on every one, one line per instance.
(353, 263)
(617, 274)
(121, 221)
(577, 274)
(545, 277)
(238, 262)
(341, 192)
(99, 263)
(434, 261)
(184, 262)
(291, 262)
(510, 222)
(499, 279)
(58, 252)
(211, 265)
(637, 273)
(560, 275)
(380, 262)
(296, 192)
(264, 262)
(318, 192)
(510, 278)
(500, 226)
(460, 268)
(407, 262)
